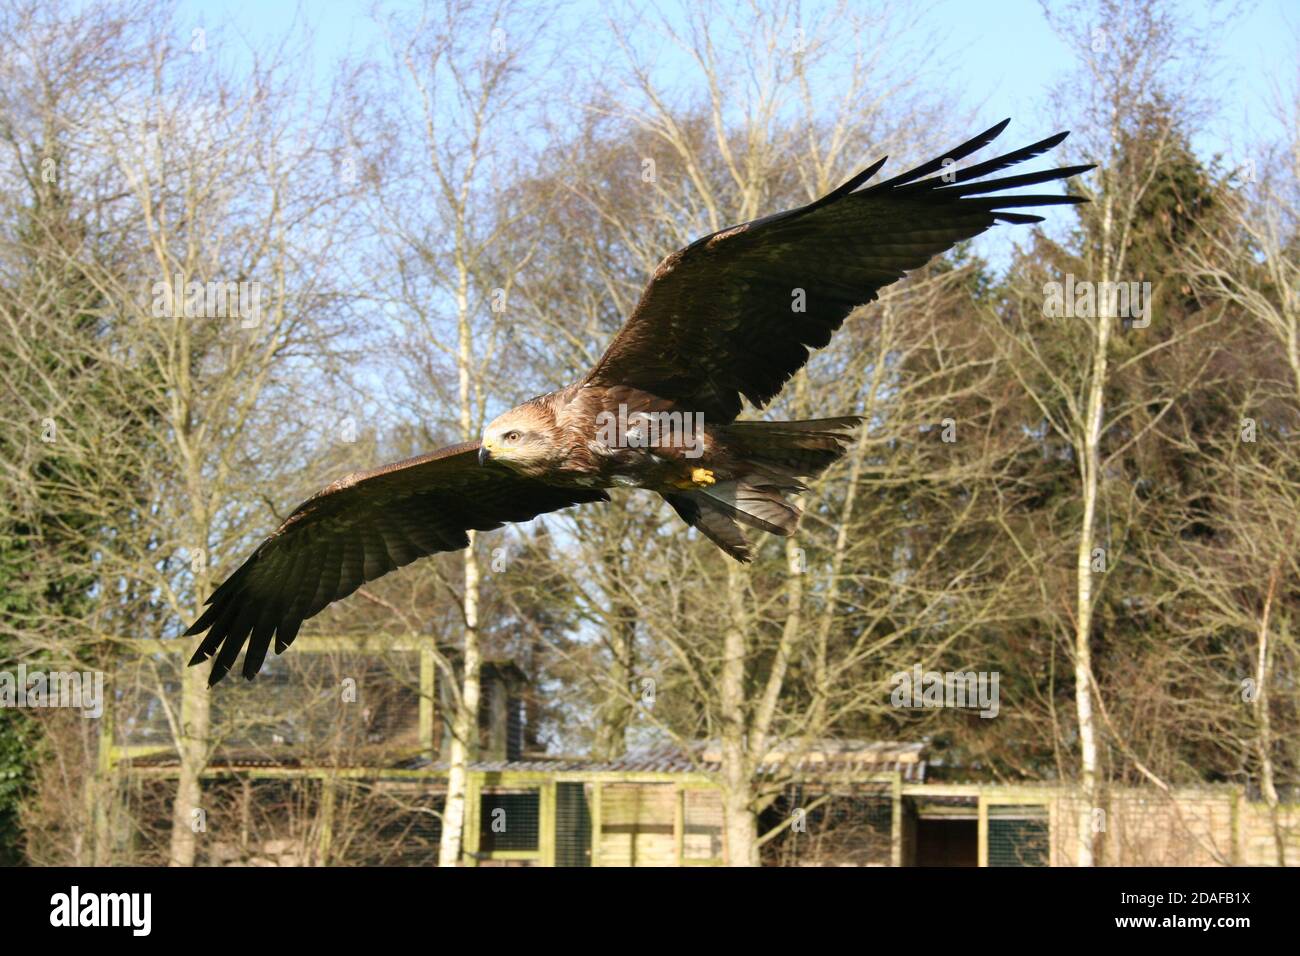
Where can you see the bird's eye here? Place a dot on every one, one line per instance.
(512, 436)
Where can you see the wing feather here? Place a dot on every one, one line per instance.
(719, 323)
(354, 531)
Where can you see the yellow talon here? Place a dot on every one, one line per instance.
(703, 477)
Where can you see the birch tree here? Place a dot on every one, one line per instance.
(1125, 88)
(457, 89)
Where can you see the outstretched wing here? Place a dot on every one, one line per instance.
(357, 529)
(736, 313)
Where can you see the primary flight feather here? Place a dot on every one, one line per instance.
(714, 327)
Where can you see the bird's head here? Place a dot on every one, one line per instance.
(522, 440)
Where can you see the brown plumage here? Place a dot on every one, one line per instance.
(718, 324)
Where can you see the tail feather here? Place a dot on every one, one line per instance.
(780, 457)
(797, 449)
(759, 506)
(717, 526)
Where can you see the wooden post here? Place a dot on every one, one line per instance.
(546, 806)
(428, 690)
(896, 820)
(595, 822)
(983, 831)
(1235, 816)
(470, 837)
(1053, 834)
(326, 820)
(679, 825)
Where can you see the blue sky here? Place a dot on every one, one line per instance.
(998, 58)
(1001, 52)
(1010, 58)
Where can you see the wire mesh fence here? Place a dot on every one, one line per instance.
(509, 820)
(238, 822)
(303, 707)
(249, 821)
(1018, 836)
(573, 824)
(852, 826)
(386, 823)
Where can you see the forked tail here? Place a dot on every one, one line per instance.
(781, 457)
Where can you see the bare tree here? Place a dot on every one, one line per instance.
(1128, 53)
(1243, 578)
(691, 171)
(457, 92)
(200, 289)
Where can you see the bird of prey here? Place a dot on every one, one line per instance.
(730, 317)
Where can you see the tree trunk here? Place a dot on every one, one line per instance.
(616, 714)
(1264, 737)
(1090, 479)
(737, 781)
(195, 728)
(187, 808)
(464, 732)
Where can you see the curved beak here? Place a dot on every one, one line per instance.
(484, 456)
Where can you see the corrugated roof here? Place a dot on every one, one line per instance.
(824, 756)
(837, 757)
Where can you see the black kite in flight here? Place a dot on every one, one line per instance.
(716, 324)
